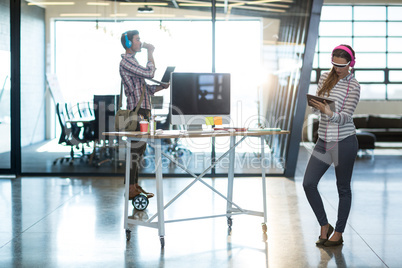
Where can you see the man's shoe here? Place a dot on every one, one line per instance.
(320, 240)
(333, 243)
(133, 191)
(149, 195)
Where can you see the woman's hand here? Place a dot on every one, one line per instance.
(322, 106)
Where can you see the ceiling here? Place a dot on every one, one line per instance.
(253, 8)
(235, 7)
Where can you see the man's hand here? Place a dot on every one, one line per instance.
(149, 47)
(162, 86)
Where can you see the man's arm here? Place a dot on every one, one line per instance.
(151, 50)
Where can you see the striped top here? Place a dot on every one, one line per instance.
(133, 77)
(340, 125)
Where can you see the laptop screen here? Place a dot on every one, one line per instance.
(166, 75)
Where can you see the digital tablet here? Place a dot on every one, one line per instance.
(331, 103)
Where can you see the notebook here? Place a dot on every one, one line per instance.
(166, 76)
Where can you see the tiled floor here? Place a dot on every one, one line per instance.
(78, 222)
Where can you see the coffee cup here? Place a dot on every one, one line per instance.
(144, 126)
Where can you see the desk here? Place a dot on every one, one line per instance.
(155, 141)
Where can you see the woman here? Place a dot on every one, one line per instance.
(337, 142)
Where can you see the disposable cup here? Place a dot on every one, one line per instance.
(144, 126)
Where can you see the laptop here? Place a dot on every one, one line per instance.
(166, 76)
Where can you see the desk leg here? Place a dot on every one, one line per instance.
(159, 191)
(127, 187)
(230, 180)
(264, 190)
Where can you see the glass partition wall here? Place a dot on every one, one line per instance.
(262, 45)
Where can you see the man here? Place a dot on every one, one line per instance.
(133, 78)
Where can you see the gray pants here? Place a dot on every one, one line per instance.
(343, 155)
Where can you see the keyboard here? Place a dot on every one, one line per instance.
(197, 131)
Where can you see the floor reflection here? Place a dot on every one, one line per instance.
(329, 253)
(78, 222)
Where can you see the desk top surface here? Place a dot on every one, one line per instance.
(168, 134)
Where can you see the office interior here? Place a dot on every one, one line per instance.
(275, 52)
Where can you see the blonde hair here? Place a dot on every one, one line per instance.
(329, 83)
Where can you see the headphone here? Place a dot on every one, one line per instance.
(353, 61)
(128, 42)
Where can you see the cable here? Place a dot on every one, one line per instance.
(343, 104)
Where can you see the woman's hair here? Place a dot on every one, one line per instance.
(333, 78)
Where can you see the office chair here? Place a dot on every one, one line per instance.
(86, 112)
(67, 136)
(106, 149)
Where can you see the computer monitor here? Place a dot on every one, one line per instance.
(195, 96)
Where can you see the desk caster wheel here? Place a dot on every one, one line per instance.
(128, 235)
(162, 239)
(140, 202)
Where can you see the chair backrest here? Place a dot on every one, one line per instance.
(105, 107)
(72, 111)
(85, 109)
(62, 121)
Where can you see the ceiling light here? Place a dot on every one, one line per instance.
(142, 4)
(261, 8)
(80, 15)
(51, 3)
(199, 5)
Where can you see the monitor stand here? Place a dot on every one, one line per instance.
(195, 128)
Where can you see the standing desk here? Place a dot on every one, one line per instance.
(155, 141)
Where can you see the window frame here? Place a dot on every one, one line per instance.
(318, 67)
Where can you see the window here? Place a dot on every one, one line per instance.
(375, 33)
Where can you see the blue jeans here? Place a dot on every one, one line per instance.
(343, 155)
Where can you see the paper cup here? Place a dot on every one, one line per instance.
(144, 126)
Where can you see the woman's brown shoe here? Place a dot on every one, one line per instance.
(333, 243)
(321, 241)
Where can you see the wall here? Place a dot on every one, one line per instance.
(32, 74)
(4, 25)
